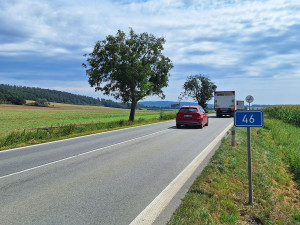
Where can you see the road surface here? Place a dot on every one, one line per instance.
(106, 178)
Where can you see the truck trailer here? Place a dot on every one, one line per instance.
(240, 105)
(224, 103)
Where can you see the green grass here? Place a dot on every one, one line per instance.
(220, 194)
(24, 126)
(287, 139)
(25, 118)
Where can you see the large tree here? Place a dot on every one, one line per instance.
(129, 68)
(200, 88)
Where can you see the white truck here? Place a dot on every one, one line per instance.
(224, 103)
(240, 105)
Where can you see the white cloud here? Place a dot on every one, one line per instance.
(226, 39)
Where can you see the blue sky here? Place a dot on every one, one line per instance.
(250, 46)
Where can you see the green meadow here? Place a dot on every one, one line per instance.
(23, 125)
(13, 119)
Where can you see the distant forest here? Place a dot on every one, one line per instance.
(19, 94)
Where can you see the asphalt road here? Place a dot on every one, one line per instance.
(106, 178)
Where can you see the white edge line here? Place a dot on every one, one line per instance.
(153, 210)
(83, 136)
(81, 154)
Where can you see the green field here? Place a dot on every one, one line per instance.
(26, 125)
(287, 113)
(220, 194)
(24, 117)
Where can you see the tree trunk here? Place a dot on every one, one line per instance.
(132, 110)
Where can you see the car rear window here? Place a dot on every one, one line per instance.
(188, 110)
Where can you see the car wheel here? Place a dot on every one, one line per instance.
(177, 125)
(206, 122)
(201, 125)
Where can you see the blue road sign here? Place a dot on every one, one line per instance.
(248, 118)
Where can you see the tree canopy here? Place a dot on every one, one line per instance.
(129, 68)
(200, 88)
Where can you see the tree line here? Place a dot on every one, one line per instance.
(12, 94)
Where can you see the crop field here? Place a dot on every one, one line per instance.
(16, 118)
(287, 135)
(288, 113)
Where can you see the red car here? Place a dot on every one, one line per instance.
(191, 116)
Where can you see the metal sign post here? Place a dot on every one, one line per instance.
(249, 119)
(249, 166)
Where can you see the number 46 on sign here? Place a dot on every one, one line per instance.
(248, 119)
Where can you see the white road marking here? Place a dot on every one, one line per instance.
(81, 154)
(153, 210)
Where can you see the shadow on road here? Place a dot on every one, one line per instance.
(214, 116)
(185, 128)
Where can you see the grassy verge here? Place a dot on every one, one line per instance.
(220, 193)
(24, 137)
(287, 136)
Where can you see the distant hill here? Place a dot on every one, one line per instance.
(18, 94)
(163, 104)
(167, 104)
